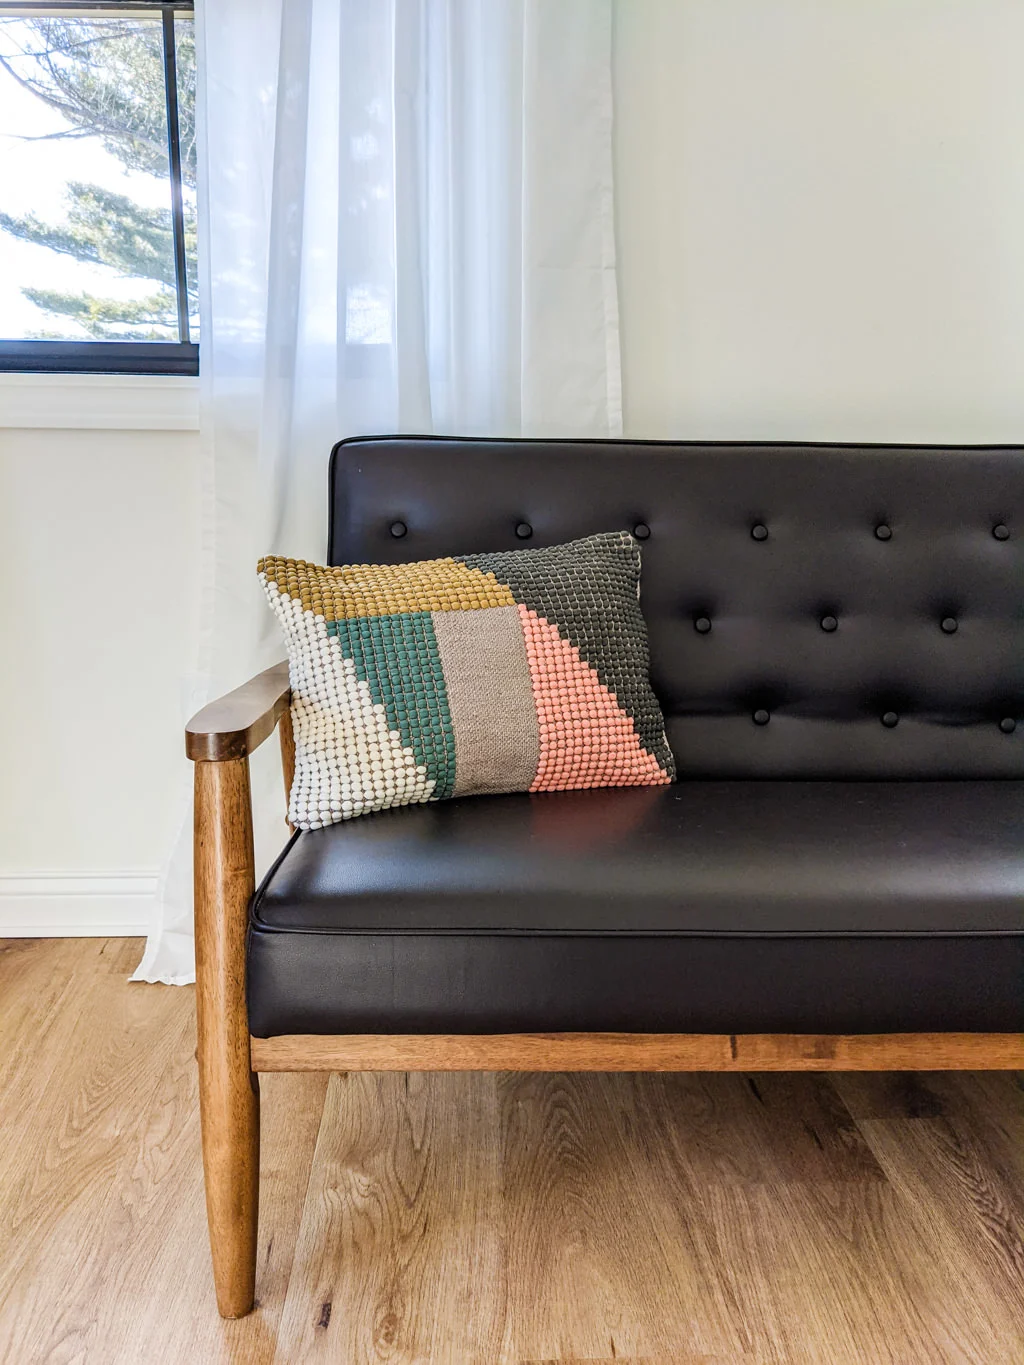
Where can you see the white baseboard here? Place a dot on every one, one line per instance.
(76, 904)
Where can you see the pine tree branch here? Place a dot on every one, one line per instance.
(109, 84)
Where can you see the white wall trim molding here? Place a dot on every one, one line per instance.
(50, 904)
(99, 402)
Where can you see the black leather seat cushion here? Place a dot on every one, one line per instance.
(742, 906)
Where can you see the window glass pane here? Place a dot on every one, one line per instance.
(185, 50)
(86, 246)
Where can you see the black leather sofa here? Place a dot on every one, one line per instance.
(837, 640)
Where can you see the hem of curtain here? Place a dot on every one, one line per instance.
(161, 979)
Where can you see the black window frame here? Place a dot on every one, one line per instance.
(179, 357)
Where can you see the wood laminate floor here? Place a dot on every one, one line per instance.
(754, 1220)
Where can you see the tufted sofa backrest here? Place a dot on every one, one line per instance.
(814, 610)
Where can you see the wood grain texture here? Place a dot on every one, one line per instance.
(775, 1170)
(495, 1219)
(591, 1249)
(228, 1088)
(964, 1152)
(410, 1164)
(101, 1190)
(639, 1052)
(236, 724)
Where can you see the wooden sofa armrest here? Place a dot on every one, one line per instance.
(220, 739)
(236, 724)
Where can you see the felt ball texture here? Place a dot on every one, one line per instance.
(523, 670)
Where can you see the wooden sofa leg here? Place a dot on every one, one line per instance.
(228, 1088)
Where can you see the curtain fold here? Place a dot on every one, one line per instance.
(406, 224)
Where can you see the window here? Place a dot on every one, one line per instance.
(97, 188)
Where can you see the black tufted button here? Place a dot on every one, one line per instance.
(761, 716)
(1007, 725)
(398, 529)
(1001, 532)
(759, 532)
(949, 625)
(890, 720)
(829, 623)
(642, 531)
(524, 530)
(883, 532)
(702, 625)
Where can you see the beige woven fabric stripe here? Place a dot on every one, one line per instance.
(490, 699)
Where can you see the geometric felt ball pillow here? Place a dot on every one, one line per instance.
(525, 670)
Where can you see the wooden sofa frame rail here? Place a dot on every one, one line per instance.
(220, 739)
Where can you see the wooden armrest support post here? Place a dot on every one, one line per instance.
(220, 738)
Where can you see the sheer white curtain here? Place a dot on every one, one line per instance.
(406, 225)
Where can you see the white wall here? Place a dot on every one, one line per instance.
(821, 236)
(821, 218)
(99, 541)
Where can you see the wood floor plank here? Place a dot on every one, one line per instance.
(42, 995)
(598, 1264)
(121, 956)
(401, 1254)
(932, 1094)
(960, 1176)
(983, 1114)
(646, 1360)
(829, 1274)
(109, 1217)
(165, 1233)
(67, 1176)
(787, 1188)
(768, 1128)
